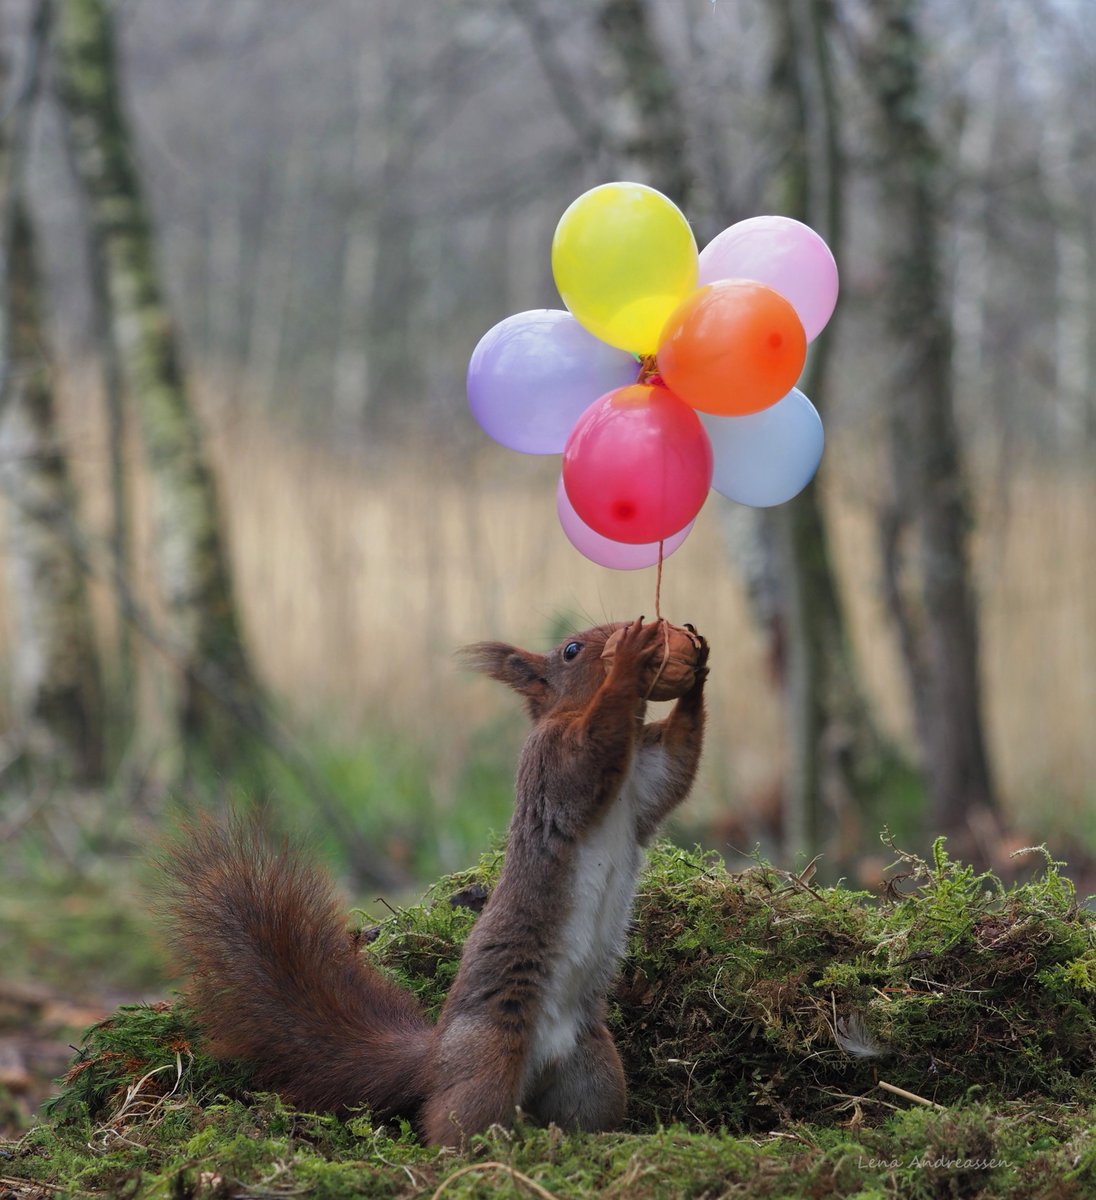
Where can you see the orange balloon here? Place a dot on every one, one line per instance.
(732, 347)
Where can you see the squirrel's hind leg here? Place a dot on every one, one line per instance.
(477, 1073)
(585, 1090)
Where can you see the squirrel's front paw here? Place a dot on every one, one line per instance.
(630, 650)
(701, 654)
(666, 660)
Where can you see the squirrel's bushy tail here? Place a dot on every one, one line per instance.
(276, 981)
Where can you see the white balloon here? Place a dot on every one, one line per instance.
(766, 457)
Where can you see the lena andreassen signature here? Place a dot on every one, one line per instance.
(929, 1163)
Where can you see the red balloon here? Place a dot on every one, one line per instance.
(638, 464)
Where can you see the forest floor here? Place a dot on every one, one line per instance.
(780, 1039)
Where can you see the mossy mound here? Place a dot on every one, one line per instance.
(753, 999)
(771, 1031)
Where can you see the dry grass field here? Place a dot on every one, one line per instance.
(359, 575)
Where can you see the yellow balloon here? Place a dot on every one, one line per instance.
(623, 258)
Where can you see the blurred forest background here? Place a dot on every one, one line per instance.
(245, 517)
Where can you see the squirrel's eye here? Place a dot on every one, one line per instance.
(571, 650)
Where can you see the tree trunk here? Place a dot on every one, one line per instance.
(272, 276)
(120, 673)
(925, 529)
(650, 129)
(350, 375)
(838, 761)
(394, 363)
(55, 680)
(193, 569)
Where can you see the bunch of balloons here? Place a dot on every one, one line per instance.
(672, 372)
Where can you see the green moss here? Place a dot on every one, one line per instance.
(1010, 1151)
(757, 1017)
(140, 1055)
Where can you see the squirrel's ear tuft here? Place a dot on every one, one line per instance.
(521, 670)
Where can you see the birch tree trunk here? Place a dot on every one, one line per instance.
(925, 529)
(394, 367)
(838, 761)
(54, 671)
(56, 694)
(191, 558)
(648, 125)
(1062, 147)
(350, 382)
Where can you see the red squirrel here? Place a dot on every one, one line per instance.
(277, 983)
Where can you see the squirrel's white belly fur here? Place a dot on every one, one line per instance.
(593, 935)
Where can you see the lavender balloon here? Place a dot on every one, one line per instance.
(620, 556)
(766, 457)
(782, 253)
(534, 374)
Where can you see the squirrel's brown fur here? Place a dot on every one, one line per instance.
(277, 982)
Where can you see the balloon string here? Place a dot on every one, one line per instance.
(648, 373)
(658, 617)
(658, 583)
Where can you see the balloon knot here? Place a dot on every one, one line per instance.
(648, 369)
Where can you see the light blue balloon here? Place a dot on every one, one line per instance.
(535, 373)
(766, 457)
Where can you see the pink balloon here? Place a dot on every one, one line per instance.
(620, 556)
(783, 253)
(638, 464)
